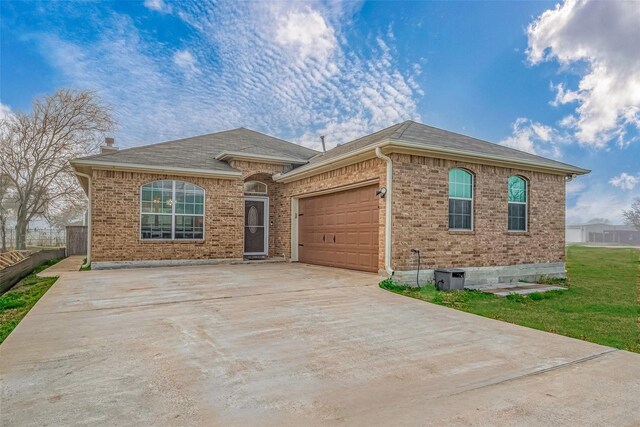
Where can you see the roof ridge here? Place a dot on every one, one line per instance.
(404, 126)
(279, 139)
(364, 136)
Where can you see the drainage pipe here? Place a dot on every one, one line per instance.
(88, 261)
(387, 217)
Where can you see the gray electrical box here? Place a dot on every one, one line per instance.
(449, 279)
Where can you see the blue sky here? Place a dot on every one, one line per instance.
(560, 81)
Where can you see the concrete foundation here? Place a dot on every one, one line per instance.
(488, 275)
(110, 265)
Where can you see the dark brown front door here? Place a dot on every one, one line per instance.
(256, 210)
(340, 229)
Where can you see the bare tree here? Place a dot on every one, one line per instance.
(632, 215)
(36, 148)
(7, 207)
(72, 213)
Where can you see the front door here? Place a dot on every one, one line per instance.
(256, 225)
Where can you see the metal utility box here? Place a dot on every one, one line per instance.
(449, 279)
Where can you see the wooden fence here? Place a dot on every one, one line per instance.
(76, 240)
(11, 275)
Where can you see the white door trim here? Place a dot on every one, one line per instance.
(266, 223)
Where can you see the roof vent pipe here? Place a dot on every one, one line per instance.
(324, 148)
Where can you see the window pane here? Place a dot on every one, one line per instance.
(156, 197)
(189, 227)
(189, 198)
(460, 214)
(517, 188)
(255, 187)
(155, 226)
(460, 183)
(517, 217)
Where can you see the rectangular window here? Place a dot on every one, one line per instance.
(171, 210)
(155, 226)
(460, 200)
(460, 214)
(517, 205)
(517, 217)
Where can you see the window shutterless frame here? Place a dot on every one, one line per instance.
(469, 199)
(525, 204)
(173, 214)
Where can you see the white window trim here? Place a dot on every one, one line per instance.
(525, 203)
(473, 193)
(266, 188)
(173, 213)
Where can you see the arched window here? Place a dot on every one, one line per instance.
(460, 200)
(517, 215)
(171, 210)
(255, 187)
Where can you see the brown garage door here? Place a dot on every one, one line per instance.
(340, 229)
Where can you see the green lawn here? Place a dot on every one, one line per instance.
(16, 303)
(601, 305)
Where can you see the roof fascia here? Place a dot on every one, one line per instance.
(404, 147)
(135, 167)
(261, 158)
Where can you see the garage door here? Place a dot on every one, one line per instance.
(340, 229)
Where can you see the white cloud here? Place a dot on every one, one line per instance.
(534, 138)
(186, 61)
(307, 33)
(599, 202)
(604, 36)
(575, 186)
(5, 111)
(624, 181)
(158, 6)
(245, 76)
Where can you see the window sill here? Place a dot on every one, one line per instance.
(145, 241)
(517, 233)
(471, 232)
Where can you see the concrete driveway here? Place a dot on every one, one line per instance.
(285, 344)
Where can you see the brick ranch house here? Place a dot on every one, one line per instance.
(497, 212)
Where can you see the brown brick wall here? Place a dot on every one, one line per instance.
(420, 217)
(420, 214)
(116, 220)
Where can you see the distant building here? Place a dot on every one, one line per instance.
(602, 233)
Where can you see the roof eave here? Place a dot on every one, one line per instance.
(167, 170)
(400, 146)
(261, 158)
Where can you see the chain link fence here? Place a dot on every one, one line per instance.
(44, 237)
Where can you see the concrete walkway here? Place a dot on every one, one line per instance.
(69, 264)
(517, 288)
(289, 344)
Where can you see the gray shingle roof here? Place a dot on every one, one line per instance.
(431, 137)
(199, 152)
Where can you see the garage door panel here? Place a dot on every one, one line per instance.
(348, 221)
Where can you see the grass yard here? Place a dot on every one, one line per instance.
(601, 305)
(16, 303)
